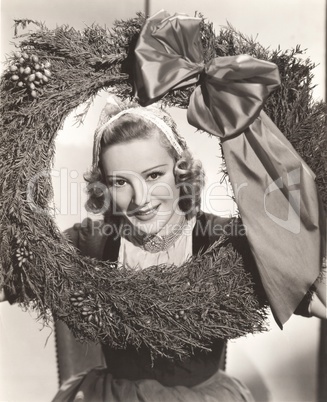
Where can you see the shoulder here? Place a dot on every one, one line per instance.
(214, 226)
(90, 236)
(208, 229)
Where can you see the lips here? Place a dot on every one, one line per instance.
(147, 213)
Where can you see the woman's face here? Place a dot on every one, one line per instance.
(140, 177)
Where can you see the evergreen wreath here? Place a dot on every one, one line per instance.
(170, 310)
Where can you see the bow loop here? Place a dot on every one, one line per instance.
(165, 59)
(180, 36)
(232, 94)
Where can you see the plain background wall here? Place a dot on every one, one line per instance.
(278, 365)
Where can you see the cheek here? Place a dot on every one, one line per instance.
(120, 198)
(166, 188)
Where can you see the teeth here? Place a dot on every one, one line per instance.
(150, 211)
(147, 212)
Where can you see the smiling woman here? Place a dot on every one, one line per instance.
(152, 177)
(154, 183)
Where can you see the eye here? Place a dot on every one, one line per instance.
(120, 183)
(117, 182)
(155, 175)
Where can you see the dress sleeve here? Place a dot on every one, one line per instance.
(89, 237)
(11, 295)
(241, 244)
(303, 307)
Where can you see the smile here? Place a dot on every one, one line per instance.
(148, 213)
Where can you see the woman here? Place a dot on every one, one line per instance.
(148, 181)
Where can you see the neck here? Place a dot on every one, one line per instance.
(175, 221)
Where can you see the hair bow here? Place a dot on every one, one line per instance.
(274, 188)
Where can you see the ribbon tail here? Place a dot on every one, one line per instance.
(278, 201)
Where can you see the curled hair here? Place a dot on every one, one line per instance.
(189, 174)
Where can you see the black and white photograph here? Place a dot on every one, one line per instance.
(163, 197)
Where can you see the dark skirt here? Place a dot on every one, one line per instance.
(98, 385)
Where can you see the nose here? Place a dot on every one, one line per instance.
(141, 194)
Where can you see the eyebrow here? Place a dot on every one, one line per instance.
(111, 176)
(154, 167)
(144, 171)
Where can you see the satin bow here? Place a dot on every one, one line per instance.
(274, 188)
(169, 55)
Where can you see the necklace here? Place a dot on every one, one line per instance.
(154, 243)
